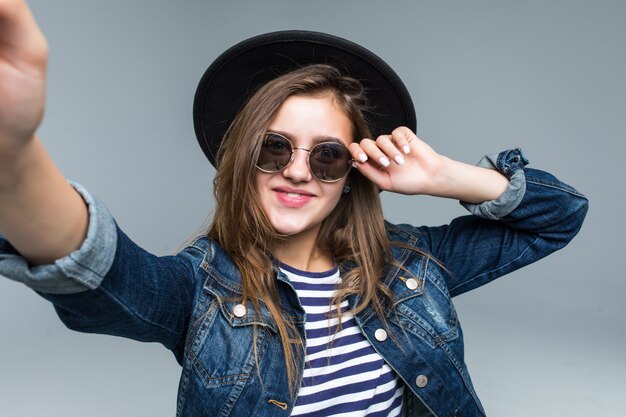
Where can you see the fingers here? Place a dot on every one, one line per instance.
(386, 149)
(23, 57)
(21, 41)
(402, 137)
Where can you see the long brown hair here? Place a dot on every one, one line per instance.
(353, 233)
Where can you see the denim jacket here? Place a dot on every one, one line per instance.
(187, 301)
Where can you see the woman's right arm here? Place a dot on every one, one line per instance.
(55, 237)
(41, 214)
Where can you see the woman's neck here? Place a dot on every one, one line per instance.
(301, 252)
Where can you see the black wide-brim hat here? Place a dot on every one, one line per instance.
(239, 72)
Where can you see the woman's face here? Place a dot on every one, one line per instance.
(294, 200)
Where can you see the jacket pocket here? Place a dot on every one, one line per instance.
(225, 336)
(423, 306)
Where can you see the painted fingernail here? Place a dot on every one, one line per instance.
(399, 159)
(406, 149)
(362, 157)
(383, 161)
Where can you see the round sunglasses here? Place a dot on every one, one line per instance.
(328, 161)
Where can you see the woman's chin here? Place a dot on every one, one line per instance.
(289, 230)
(294, 229)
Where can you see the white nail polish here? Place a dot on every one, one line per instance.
(362, 157)
(383, 161)
(399, 159)
(406, 149)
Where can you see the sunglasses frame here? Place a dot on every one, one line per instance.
(308, 158)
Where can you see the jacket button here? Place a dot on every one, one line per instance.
(411, 283)
(380, 335)
(421, 381)
(239, 310)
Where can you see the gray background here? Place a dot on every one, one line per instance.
(485, 75)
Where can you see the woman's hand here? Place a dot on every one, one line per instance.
(403, 163)
(42, 216)
(399, 162)
(23, 58)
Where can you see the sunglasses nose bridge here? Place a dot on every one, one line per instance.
(303, 149)
(298, 169)
(293, 158)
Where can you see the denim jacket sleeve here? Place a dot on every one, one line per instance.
(535, 216)
(111, 285)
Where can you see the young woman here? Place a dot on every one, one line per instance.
(300, 299)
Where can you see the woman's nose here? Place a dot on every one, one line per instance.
(298, 169)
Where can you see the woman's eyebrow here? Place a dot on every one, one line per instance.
(321, 139)
(316, 139)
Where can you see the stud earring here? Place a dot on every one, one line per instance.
(346, 189)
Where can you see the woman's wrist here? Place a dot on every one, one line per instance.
(15, 160)
(465, 182)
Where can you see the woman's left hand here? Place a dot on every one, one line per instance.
(400, 162)
(403, 163)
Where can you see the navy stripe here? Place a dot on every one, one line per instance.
(346, 389)
(308, 274)
(313, 287)
(313, 317)
(335, 359)
(385, 413)
(328, 331)
(335, 343)
(343, 372)
(315, 301)
(372, 366)
(352, 406)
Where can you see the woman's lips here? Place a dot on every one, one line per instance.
(292, 198)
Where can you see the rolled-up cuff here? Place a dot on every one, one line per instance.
(79, 271)
(510, 163)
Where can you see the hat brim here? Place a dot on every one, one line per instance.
(239, 72)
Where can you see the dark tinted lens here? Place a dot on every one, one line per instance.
(275, 153)
(330, 161)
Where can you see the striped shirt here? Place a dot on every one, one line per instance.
(343, 375)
